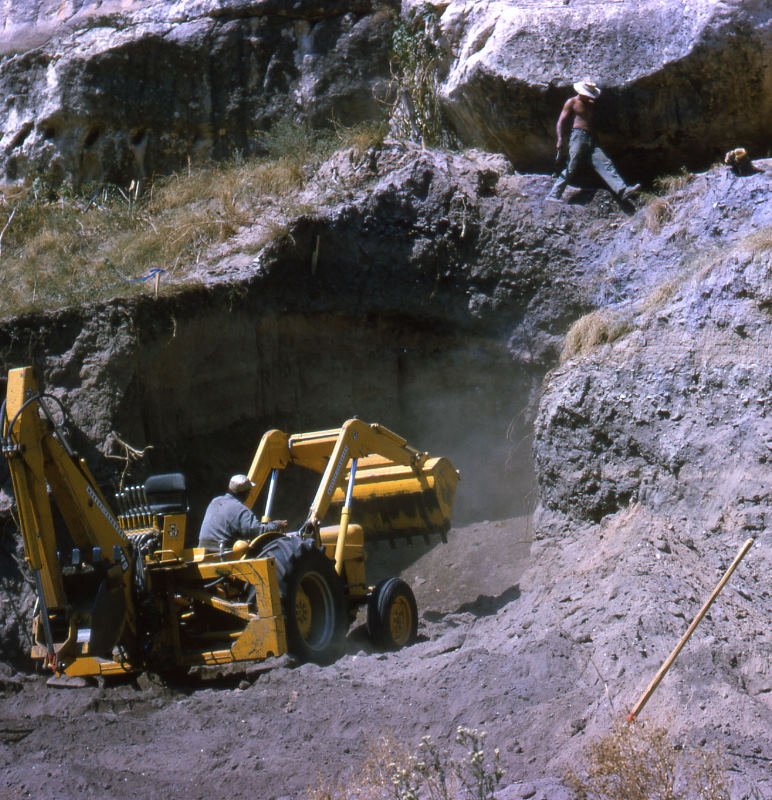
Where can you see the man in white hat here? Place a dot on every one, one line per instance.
(582, 146)
(228, 519)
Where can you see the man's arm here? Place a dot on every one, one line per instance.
(563, 120)
(250, 526)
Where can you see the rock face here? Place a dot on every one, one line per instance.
(442, 279)
(653, 451)
(683, 81)
(673, 404)
(118, 91)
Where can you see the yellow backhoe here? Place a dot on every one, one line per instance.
(119, 591)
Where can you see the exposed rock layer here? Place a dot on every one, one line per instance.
(643, 502)
(437, 291)
(120, 91)
(675, 399)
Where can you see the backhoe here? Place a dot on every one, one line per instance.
(119, 591)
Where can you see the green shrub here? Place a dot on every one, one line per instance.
(415, 58)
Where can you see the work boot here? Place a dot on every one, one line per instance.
(629, 191)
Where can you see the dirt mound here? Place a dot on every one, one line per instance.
(538, 644)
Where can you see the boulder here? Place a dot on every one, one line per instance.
(683, 80)
(117, 91)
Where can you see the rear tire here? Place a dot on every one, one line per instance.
(392, 615)
(312, 599)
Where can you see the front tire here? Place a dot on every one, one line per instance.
(392, 615)
(312, 599)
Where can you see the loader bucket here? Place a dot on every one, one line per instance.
(394, 501)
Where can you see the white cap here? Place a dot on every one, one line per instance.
(587, 88)
(239, 484)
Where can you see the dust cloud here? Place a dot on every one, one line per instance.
(450, 391)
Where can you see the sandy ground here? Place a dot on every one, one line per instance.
(543, 644)
(271, 730)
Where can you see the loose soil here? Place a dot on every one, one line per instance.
(274, 729)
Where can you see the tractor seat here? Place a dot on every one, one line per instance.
(167, 493)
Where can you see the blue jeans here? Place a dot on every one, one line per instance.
(582, 148)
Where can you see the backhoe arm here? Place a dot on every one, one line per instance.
(22, 447)
(43, 468)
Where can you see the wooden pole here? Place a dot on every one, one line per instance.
(704, 610)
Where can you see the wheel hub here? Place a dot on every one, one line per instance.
(400, 621)
(303, 613)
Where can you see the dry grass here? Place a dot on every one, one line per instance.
(659, 207)
(362, 137)
(661, 295)
(60, 248)
(592, 330)
(759, 241)
(373, 780)
(670, 184)
(639, 762)
(657, 213)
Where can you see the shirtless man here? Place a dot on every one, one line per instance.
(582, 146)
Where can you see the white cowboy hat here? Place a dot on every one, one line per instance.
(587, 88)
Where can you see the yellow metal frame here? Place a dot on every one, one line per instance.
(39, 458)
(370, 477)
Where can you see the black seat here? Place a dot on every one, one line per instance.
(167, 493)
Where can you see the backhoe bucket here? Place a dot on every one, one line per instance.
(394, 501)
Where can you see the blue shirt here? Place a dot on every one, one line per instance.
(227, 519)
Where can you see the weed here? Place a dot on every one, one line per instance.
(389, 770)
(415, 57)
(639, 762)
(478, 778)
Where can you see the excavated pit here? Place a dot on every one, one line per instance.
(198, 385)
(205, 400)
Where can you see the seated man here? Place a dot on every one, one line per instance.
(227, 519)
